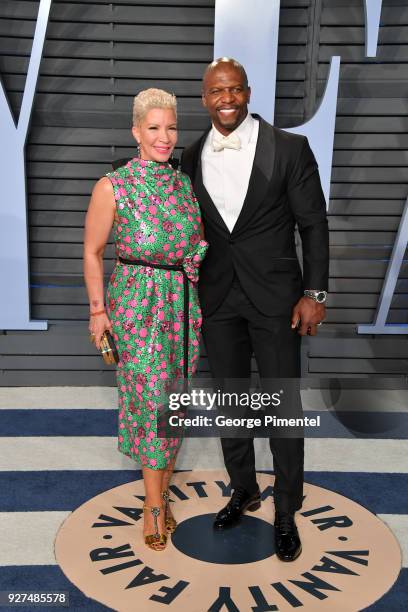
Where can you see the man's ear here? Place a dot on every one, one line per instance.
(203, 100)
(249, 94)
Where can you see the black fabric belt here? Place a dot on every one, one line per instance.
(186, 329)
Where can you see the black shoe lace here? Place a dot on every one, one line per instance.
(285, 523)
(238, 497)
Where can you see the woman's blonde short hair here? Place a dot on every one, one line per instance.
(152, 98)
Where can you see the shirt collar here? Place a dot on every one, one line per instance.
(244, 130)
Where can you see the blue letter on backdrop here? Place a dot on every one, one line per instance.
(14, 278)
(249, 33)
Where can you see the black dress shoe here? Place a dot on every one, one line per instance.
(287, 541)
(237, 505)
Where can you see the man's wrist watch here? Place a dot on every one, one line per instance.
(318, 296)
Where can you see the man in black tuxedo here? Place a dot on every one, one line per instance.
(254, 183)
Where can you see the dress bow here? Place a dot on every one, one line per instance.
(191, 263)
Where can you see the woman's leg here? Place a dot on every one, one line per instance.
(167, 476)
(153, 489)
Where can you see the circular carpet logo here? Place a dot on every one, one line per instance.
(100, 548)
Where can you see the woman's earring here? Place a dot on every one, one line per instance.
(139, 154)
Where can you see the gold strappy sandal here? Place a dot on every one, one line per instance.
(169, 520)
(155, 541)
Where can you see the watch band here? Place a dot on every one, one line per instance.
(317, 295)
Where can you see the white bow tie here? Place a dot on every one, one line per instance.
(225, 142)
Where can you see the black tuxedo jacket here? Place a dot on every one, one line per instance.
(284, 189)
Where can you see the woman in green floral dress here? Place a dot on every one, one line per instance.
(152, 307)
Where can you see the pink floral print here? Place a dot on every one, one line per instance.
(158, 221)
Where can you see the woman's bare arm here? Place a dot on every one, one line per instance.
(98, 224)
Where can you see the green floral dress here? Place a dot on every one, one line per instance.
(158, 221)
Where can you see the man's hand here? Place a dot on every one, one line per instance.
(306, 315)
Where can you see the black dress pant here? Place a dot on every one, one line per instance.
(234, 332)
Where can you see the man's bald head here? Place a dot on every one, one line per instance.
(222, 62)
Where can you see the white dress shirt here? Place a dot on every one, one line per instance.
(226, 173)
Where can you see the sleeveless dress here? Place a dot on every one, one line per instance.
(159, 223)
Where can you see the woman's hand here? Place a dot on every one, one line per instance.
(97, 325)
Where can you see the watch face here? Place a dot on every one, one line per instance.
(321, 297)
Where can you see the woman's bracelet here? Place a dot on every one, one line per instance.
(98, 312)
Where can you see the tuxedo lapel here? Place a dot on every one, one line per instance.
(202, 195)
(261, 174)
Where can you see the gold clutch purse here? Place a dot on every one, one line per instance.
(107, 349)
